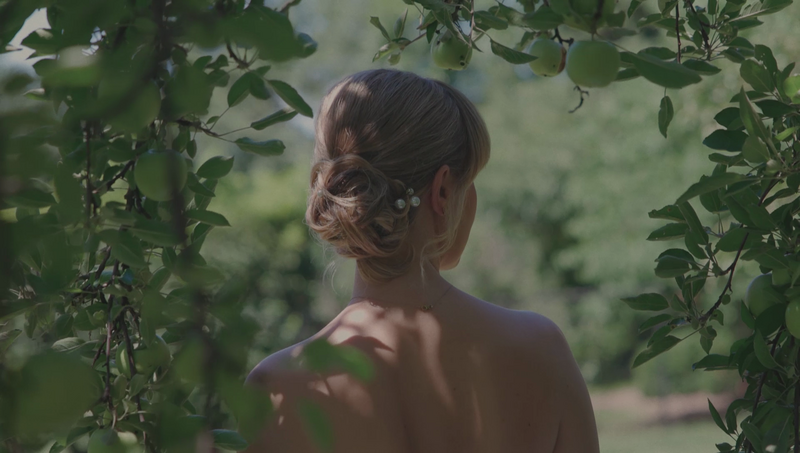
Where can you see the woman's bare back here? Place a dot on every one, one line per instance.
(467, 376)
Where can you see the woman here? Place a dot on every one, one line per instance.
(392, 186)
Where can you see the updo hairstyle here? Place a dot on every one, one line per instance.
(379, 133)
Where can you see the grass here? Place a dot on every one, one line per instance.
(622, 432)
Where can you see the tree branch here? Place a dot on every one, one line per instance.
(732, 267)
(702, 29)
(677, 29)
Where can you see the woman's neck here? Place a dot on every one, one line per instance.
(410, 290)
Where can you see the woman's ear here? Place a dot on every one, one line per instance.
(441, 189)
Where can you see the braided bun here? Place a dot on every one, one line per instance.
(379, 133)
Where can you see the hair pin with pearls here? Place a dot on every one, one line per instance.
(400, 203)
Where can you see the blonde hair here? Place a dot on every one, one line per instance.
(378, 133)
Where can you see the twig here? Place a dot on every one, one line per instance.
(109, 331)
(472, 21)
(557, 35)
(242, 64)
(582, 92)
(796, 407)
(677, 28)
(758, 391)
(118, 175)
(89, 190)
(102, 266)
(597, 13)
(732, 267)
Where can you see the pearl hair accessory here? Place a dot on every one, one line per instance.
(400, 203)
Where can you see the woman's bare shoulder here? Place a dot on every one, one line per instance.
(520, 327)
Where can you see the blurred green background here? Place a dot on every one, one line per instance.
(562, 212)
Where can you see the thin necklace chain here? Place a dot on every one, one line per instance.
(427, 307)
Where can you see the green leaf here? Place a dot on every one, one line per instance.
(729, 118)
(291, 97)
(747, 317)
(669, 267)
(627, 74)
(667, 74)
(654, 321)
(634, 5)
(669, 212)
(753, 435)
(400, 25)
(773, 259)
(751, 120)
(209, 217)
(757, 76)
(669, 231)
(257, 87)
(317, 424)
(709, 183)
(544, 18)
(712, 361)
(215, 167)
(659, 347)
(754, 150)
(377, 23)
(701, 67)
(726, 140)
(7, 339)
(31, 198)
(762, 352)
(124, 247)
(735, 236)
(43, 41)
(266, 148)
(775, 109)
(647, 302)
(275, 118)
(715, 415)
(665, 114)
(773, 317)
(239, 90)
(155, 232)
(486, 21)
(791, 88)
(510, 55)
(786, 133)
(228, 440)
(694, 222)
(46, 404)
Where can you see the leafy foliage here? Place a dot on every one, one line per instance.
(138, 339)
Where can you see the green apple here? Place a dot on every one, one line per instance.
(773, 166)
(105, 441)
(131, 442)
(592, 64)
(551, 57)
(793, 317)
(156, 173)
(449, 52)
(760, 294)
